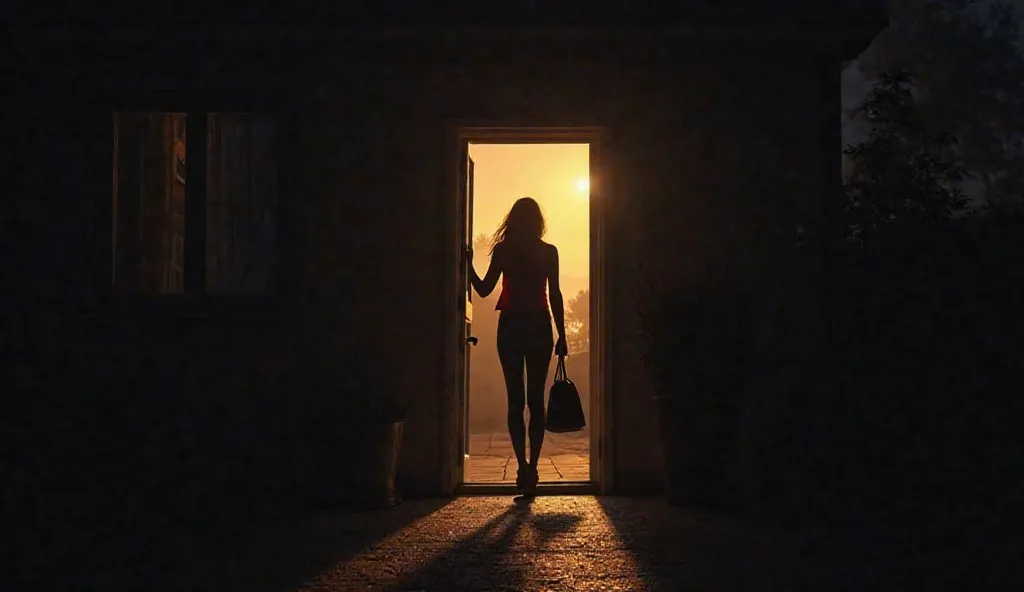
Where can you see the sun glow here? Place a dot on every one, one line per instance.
(583, 185)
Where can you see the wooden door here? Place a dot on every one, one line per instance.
(466, 301)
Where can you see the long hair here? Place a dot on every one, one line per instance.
(523, 221)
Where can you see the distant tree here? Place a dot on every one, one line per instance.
(481, 247)
(903, 173)
(968, 70)
(577, 322)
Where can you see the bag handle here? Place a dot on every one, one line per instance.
(560, 375)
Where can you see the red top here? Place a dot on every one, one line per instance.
(524, 282)
(526, 298)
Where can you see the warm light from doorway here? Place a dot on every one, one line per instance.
(583, 185)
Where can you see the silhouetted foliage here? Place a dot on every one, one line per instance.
(577, 322)
(968, 69)
(698, 347)
(917, 402)
(927, 370)
(696, 339)
(903, 175)
(924, 372)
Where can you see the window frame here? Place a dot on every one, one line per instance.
(194, 300)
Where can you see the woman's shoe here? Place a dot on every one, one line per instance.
(522, 477)
(530, 479)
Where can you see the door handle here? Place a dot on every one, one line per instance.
(472, 340)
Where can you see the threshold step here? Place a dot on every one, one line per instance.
(561, 488)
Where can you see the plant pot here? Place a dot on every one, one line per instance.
(376, 478)
(355, 467)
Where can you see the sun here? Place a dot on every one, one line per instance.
(583, 185)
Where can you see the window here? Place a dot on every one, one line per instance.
(160, 209)
(241, 204)
(149, 203)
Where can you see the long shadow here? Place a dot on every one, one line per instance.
(678, 548)
(484, 561)
(270, 555)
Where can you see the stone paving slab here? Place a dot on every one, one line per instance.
(490, 469)
(566, 457)
(496, 469)
(572, 467)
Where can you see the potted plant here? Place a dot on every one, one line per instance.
(697, 342)
(357, 432)
(381, 423)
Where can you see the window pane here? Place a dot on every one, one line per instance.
(149, 203)
(241, 204)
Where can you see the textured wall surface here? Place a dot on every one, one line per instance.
(714, 155)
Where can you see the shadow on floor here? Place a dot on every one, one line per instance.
(737, 554)
(277, 555)
(674, 548)
(470, 565)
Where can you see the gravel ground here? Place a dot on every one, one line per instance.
(554, 543)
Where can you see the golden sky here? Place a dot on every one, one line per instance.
(552, 175)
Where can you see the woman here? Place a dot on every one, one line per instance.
(525, 262)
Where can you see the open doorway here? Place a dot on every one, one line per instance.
(558, 176)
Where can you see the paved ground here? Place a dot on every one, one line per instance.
(557, 543)
(564, 457)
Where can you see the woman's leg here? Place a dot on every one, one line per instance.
(512, 359)
(538, 360)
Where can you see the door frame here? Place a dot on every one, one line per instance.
(460, 135)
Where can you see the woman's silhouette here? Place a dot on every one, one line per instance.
(525, 262)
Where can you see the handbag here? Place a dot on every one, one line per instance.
(565, 411)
